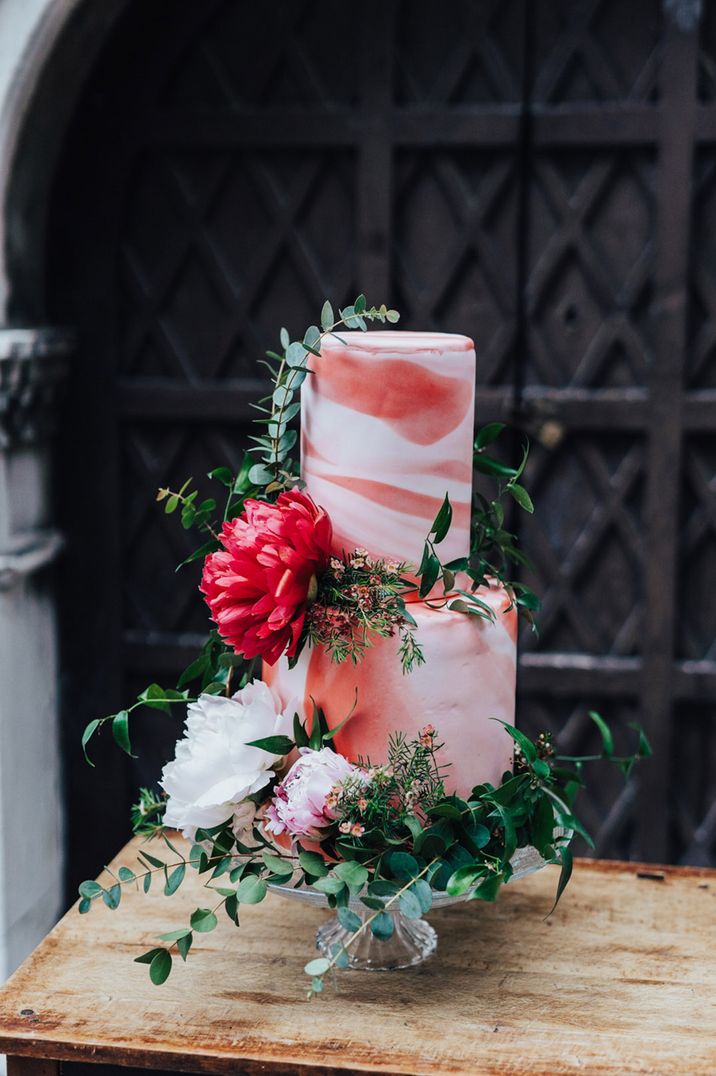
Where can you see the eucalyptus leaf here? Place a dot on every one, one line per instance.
(203, 920)
(329, 885)
(382, 927)
(174, 880)
(160, 967)
(402, 865)
(319, 966)
(260, 475)
(424, 894)
(282, 395)
(410, 905)
(327, 318)
(90, 889)
(313, 864)
(184, 944)
(353, 874)
(252, 890)
(295, 356)
(349, 920)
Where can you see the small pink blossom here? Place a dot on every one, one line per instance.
(345, 827)
(427, 735)
(304, 802)
(357, 830)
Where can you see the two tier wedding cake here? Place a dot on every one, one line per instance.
(348, 724)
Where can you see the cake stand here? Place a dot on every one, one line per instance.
(412, 941)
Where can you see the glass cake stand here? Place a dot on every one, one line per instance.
(412, 941)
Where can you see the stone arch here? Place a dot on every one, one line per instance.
(48, 48)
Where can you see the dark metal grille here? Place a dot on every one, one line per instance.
(540, 175)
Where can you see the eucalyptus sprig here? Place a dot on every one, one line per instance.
(288, 369)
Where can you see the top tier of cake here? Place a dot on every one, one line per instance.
(386, 432)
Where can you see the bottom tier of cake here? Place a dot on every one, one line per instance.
(468, 679)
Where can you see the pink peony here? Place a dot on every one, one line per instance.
(258, 584)
(301, 805)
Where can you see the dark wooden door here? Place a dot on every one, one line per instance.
(540, 175)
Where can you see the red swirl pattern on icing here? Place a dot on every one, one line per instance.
(387, 431)
(421, 405)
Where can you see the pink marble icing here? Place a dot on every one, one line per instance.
(387, 428)
(467, 679)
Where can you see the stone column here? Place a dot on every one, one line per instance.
(32, 366)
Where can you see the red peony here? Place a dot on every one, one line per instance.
(257, 586)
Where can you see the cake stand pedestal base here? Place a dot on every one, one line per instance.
(412, 941)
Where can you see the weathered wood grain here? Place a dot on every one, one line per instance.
(620, 980)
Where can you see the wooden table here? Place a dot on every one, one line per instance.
(622, 979)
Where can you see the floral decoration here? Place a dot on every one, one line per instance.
(214, 773)
(304, 803)
(258, 585)
(261, 796)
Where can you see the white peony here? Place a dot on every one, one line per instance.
(213, 770)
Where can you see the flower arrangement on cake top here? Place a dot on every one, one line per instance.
(349, 721)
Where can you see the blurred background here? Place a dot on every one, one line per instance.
(180, 179)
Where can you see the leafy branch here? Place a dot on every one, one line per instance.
(288, 370)
(441, 843)
(493, 548)
(154, 697)
(380, 923)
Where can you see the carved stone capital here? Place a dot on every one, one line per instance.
(33, 364)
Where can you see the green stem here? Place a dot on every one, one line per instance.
(366, 922)
(277, 410)
(203, 526)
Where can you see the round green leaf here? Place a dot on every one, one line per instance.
(403, 865)
(313, 864)
(203, 920)
(295, 356)
(424, 893)
(317, 967)
(353, 874)
(160, 967)
(382, 926)
(90, 889)
(349, 920)
(410, 905)
(252, 890)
